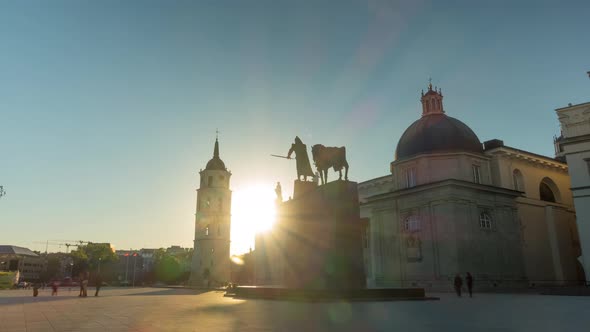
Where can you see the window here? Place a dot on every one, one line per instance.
(410, 177)
(208, 203)
(220, 204)
(207, 230)
(210, 181)
(476, 173)
(587, 160)
(412, 224)
(546, 193)
(485, 221)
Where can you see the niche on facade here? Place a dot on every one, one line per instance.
(411, 227)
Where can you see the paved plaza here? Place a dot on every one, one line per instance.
(162, 309)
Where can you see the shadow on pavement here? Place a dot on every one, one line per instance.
(14, 300)
(171, 291)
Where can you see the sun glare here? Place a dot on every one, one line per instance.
(253, 211)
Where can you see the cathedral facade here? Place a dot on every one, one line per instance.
(454, 205)
(211, 257)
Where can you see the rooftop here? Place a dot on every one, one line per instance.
(14, 250)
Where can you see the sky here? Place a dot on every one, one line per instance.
(108, 109)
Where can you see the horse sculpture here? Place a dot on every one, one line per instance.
(326, 157)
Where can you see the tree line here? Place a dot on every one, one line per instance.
(165, 266)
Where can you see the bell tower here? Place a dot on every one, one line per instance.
(211, 258)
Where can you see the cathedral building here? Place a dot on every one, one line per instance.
(211, 257)
(454, 205)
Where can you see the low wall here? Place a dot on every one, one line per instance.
(292, 294)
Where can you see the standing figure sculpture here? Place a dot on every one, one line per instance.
(279, 192)
(303, 165)
(326, 157)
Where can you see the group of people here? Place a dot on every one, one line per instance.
(458, 283)
(84, 276)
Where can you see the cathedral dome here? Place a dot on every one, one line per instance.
(215, 164)
(437, 132)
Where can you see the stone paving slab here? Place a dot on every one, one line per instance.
(155, 309)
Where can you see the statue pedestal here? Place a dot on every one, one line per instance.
(300, 188)
(317, 238)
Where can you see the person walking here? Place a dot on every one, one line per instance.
(458, 284)
(36, 289)
(98, 281)
(54, 288)
(85, 284)
(80, 278)
(469, 280)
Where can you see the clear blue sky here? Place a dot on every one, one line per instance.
(108, 109)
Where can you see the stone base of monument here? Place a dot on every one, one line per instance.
(321, 295)
(315, 250)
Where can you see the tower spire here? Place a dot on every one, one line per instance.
(216, 149)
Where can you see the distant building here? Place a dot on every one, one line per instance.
(574, 146)
(147, 256)
(453, 205)
(176, 250)
(211, 259)
(26, 262)
(128, 269)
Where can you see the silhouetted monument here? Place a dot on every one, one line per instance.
(303, 165)
(315, 249)
(279, 193)
(316, 242)
(326, 157)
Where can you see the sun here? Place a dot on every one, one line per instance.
(253, 210)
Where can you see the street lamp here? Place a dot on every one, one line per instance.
(126, 269)
(134, 260)
(99, 259)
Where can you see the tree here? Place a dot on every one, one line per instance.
(88, 257)
(52, 269)
(168, 269)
